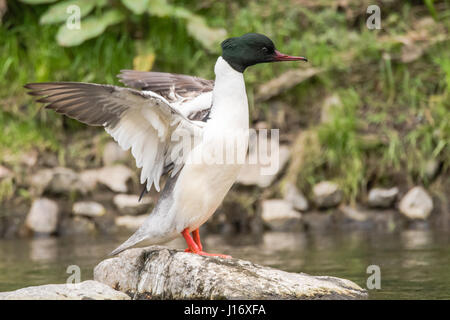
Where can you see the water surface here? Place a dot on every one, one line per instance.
(414, 264)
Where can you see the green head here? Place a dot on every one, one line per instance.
(252, 48)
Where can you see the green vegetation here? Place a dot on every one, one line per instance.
(393, 84)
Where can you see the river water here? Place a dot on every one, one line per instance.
(414, 264)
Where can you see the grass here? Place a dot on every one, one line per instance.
(404, 107)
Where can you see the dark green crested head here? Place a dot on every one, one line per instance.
(252, 48)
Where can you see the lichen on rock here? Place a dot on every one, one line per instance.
(159, 273)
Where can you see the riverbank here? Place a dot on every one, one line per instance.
(62, 201)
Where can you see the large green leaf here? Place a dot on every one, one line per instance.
(90, 27)
(196, 25)
(136, 6)
(37, 1)
(58, 12)
(161, 8)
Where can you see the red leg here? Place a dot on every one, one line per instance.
(196, 236)
(194, 248)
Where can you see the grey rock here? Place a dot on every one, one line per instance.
(89, 179)
(88, 208)
(130, 222)
(113, 153)
(318, 222)
(416, 204)
(63, 180)
(327, 194)
(236, 214)
(40, 180)
(382, 198)
(86, 290)
(296, 198)
(279, 215)
(43, 216)
(115, 177)
(129, 204)
(58, 180)
(159, 273)
(258, 174)
(77, 226)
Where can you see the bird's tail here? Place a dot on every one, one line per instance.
(149, 233)
(154, 230)
(131, 241)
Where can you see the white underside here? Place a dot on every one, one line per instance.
(201, 188)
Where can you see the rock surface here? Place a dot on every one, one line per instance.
(327, 194)
(416, 204)
(113, 153)
(64, 180)
(43, 216)
(86, 290)
(130, 222)
(59, 180)
(318, 221)
(89, 179)
(382, 198)
(296, 198)
(88, 209)
(40, 180)
(279, 214)
(261, 174)
(129, 204)
(77, 225)
(159, 273)
(115, 177)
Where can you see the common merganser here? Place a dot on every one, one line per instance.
(157, 106)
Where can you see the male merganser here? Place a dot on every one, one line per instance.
(158, 106)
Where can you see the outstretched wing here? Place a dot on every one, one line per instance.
(141, 120)
(191, 95)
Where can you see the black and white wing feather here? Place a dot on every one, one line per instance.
(141, 120)
(191, 95)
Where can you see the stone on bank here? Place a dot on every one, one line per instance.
(416, 204)
(327, 194)
(382, 198)
(43, 216)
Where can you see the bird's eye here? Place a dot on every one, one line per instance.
(265, 50)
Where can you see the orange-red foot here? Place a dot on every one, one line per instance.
(203, 253)
(194, 245)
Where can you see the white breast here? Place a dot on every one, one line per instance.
(201, 187)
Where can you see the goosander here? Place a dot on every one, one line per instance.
(155, 107)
